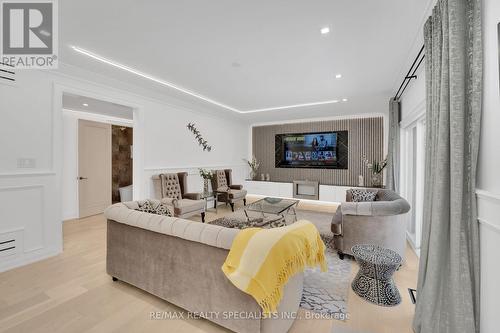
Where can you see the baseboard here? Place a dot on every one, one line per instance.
(411, 242)
(69, 216)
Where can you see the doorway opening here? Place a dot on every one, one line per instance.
(97, 155)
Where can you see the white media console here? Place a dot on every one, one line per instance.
(327, 193)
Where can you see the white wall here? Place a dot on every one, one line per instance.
(70, 207)
(488, 177)
(413, 99)
(169, 146)
(29, 198)
(32, 127)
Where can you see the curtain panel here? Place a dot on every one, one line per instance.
(392, 173)
(448, 282)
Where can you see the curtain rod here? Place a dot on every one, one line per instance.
(411, 73)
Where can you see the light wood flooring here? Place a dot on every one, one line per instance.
(71, 292)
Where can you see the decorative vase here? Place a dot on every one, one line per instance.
(252, 174)
(377, 180)
(205, 185)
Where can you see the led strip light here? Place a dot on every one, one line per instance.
(186, 91)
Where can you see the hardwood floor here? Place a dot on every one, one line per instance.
(72, 293)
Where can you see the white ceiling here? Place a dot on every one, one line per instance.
(252, 54)
(76, 103)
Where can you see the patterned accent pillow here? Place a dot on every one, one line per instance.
(157, 208)
(164, 209)
(147, 207)
(362, 195)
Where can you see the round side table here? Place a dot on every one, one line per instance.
(374, 280)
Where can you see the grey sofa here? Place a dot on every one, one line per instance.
(226, 191)
(376, 222)
(180, 261)
(171, 188)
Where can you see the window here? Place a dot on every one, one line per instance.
(412, 177)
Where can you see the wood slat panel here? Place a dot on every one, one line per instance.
(365, 141)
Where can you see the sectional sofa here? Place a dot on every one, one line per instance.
(180, 261)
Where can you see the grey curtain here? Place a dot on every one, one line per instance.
(392, 173)
(448, 282)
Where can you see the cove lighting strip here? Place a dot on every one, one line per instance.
(186, 91)
(292, 106)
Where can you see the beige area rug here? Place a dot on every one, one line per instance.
(324, 292)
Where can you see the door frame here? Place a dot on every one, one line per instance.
(81, 115)
(416, 124)
(107, 94)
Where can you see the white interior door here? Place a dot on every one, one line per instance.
(94, 167)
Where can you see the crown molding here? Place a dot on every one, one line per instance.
(314, 120)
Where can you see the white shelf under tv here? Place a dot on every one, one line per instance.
(327, 193)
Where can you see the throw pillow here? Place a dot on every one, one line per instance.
(146, 207)
(158, 208)
(361, 195)
(164, 209)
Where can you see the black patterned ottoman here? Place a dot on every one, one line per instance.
(374, 280)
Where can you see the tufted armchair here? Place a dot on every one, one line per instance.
(172, 189)
(226, 191)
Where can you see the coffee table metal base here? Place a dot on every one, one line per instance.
(281, 216)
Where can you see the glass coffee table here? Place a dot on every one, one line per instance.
(273, 206)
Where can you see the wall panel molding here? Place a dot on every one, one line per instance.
(488, 206)
(27, 200)
(37, 173)
(366, 140)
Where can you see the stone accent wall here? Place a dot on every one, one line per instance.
(122, 161)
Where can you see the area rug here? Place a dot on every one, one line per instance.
(324, 293)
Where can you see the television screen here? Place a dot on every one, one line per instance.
(312, 150)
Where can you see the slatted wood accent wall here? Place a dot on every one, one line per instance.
(365, 141)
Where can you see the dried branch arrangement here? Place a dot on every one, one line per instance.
(197, 135)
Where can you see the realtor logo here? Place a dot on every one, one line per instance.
(29, 34)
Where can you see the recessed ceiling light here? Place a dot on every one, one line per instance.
(325, 30)
(85, 104)
(344, 99)
(338, 76)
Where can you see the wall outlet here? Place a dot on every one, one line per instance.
(26, 163)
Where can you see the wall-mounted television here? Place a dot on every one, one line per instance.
(322, 150)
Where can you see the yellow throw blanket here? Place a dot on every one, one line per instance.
(261, 261)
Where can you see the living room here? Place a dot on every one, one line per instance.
(243, 136)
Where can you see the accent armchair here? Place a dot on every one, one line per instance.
(376, 222)
(225, 190)
(171, 188)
